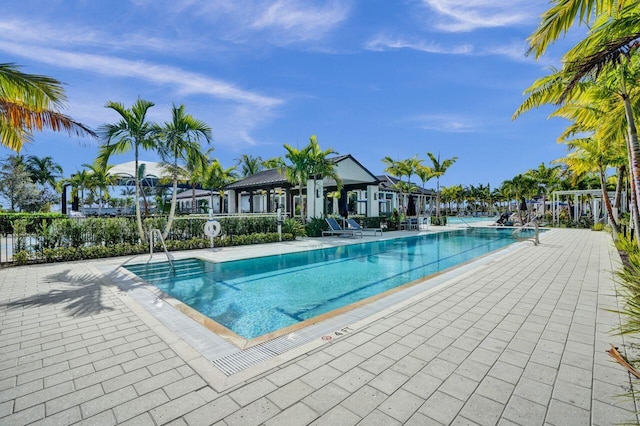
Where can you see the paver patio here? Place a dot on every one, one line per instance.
(518, 340)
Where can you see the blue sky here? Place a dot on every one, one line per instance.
(370, 78)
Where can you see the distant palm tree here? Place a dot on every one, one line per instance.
(439, 168)
(180, 141)
(249, 164)
(30, 102)
(100, 179)
(79, 181)
(214, 177)
(43, 170)
(133, 131)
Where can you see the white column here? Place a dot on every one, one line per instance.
(315, 205)
(233, 207)
(373, 203)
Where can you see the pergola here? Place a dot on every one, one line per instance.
(596, 203)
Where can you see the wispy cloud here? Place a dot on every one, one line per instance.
(384, 42)
(61, 35)
(445, 123)
(464, 15)
(281, 22)
(183, 82)
(300, 21)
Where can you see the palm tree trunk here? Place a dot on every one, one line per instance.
(607, 204)
(634, 166)
(172, 210)
(617, 201)
(143, 238)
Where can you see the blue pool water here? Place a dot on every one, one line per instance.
(257, 296)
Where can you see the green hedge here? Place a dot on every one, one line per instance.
(61, 254)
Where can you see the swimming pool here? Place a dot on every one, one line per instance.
(257, 296)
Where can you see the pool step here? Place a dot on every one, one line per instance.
(183, 269)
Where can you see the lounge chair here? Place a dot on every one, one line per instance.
(355, 225)
(336, 229)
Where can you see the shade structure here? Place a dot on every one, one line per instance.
(411, 207)
(343, 201)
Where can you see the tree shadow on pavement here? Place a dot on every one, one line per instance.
(81, 295)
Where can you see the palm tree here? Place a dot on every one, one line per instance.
(250, 164)
(30, 102)
(100, 179)
(215, 177)
(79, 181)
(320, 166)
(424, 173)
(610, 49)
(439, 168)
(546, 178)
(298, 170)
(43, 170)
(133, 131)
(180, 141)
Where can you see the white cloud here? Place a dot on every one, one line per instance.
(383, 42)
(279, 22)
(445, 123)
(182, 81)
(464, 15)
(66, 36)
(299, 21)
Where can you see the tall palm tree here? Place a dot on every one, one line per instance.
(43, 170)
(609, 48)
(320, 165)
(29, 103)
(439, 168)
(425, 173)
(298, 170)
(133, 131)
(180, 141)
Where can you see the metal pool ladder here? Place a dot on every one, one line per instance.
(152, 233)
(535, 239)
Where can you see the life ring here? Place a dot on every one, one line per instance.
(212, 228)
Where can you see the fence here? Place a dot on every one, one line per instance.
(37, 234)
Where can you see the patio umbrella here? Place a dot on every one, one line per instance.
(343, 209)
(411, 207)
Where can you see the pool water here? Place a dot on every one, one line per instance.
(256, 296)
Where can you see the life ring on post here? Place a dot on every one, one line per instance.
(212, 228)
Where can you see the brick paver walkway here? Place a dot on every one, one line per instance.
(520, 341)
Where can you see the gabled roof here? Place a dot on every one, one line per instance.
(348, 168)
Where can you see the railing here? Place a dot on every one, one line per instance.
(152, 233)
(464, 221)
(536, 234)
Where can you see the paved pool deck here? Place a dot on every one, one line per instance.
(515, 338)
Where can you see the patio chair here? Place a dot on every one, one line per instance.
(355, 225)
(336, 229)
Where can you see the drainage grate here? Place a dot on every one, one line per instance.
(238, 361)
